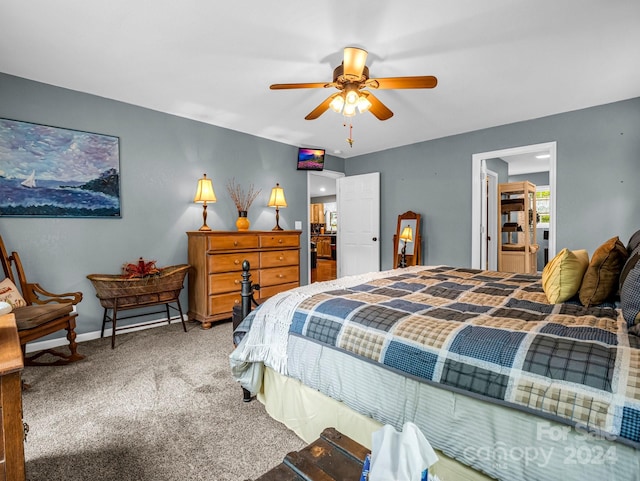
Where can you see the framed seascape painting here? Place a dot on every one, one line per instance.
(55, 172)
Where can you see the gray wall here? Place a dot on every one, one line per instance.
(161, 159)
(536, 178)
(500, 167)
(598, 167)
(323, 199)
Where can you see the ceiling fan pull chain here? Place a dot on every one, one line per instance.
(350, 139)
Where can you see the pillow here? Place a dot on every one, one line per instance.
(634, 242)
(600, 281)
(5, 308)
(630, 297)
(9, 293)
(562, 277)
(632, 261)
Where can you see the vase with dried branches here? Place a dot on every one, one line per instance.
(243, 201)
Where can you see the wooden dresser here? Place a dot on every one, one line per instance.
(216, 259)
(11, 428)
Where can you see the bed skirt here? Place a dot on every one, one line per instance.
(307, 412)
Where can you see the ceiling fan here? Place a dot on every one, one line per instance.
(350, 78)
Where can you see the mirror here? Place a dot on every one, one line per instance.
(407, 239)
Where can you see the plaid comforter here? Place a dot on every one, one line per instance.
(491, 334)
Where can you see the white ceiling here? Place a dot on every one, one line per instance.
(497, 61)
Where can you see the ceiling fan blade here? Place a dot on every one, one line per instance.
(380, 110)
(322, 108)
(423, 82)
(354, 62)
(316, 85)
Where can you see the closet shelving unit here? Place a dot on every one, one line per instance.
(517, 247)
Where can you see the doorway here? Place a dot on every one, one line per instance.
(323, 225)
(520, 160)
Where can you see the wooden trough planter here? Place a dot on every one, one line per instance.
(119, 293)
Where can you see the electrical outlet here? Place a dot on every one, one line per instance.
(298, 225)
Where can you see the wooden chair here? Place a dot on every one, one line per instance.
(44, 314)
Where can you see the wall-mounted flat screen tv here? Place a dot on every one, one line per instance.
(310, 159)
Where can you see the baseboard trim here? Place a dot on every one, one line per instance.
(90, 336)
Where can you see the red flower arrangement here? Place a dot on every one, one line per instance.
(140, 269)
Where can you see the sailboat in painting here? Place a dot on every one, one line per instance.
(30, 181)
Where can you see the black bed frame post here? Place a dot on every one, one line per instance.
(246, 292)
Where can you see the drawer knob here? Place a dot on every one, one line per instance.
(280, 276)
(279, 241)
(236, 301)
(235, 242)
(281, 258)
(236, 281)
(236, 262)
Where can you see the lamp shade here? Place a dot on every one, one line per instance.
(407, 234)
(277, 197)
(204, 192)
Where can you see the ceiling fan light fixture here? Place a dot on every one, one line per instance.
(363, 104)
(337, 103)
(351, 98)
(349, 110)
(349, 78)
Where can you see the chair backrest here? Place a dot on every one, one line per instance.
(8, 263)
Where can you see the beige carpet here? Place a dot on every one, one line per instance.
(161, 406)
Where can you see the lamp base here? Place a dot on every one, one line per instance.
(204, 227)
(403, 256)
(277, 227)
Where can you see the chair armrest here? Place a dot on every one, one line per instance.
(35, 291)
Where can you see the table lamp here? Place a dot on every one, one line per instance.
(204, 194)
(277, 200)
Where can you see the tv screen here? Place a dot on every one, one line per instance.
(310, 159)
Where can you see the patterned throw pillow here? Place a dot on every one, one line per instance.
(630, 297)
(600, 282)
(634, 242)
(562, 276)
(632, 261)
(9, 293)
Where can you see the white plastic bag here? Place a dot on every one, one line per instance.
(400, 456)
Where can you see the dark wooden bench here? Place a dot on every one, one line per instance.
(332, 457)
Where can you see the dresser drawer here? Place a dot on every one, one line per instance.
(224, 303)
(225, 282)
(279, 258)
(279, 240)
(233, 242)
(273, 290)
(283, 275)
(231, 262)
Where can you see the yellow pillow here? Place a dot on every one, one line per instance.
(561, 278)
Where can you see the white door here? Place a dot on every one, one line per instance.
(489, 224)
(492, 221)
(358, 198)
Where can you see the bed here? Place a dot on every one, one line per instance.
(499, 380)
